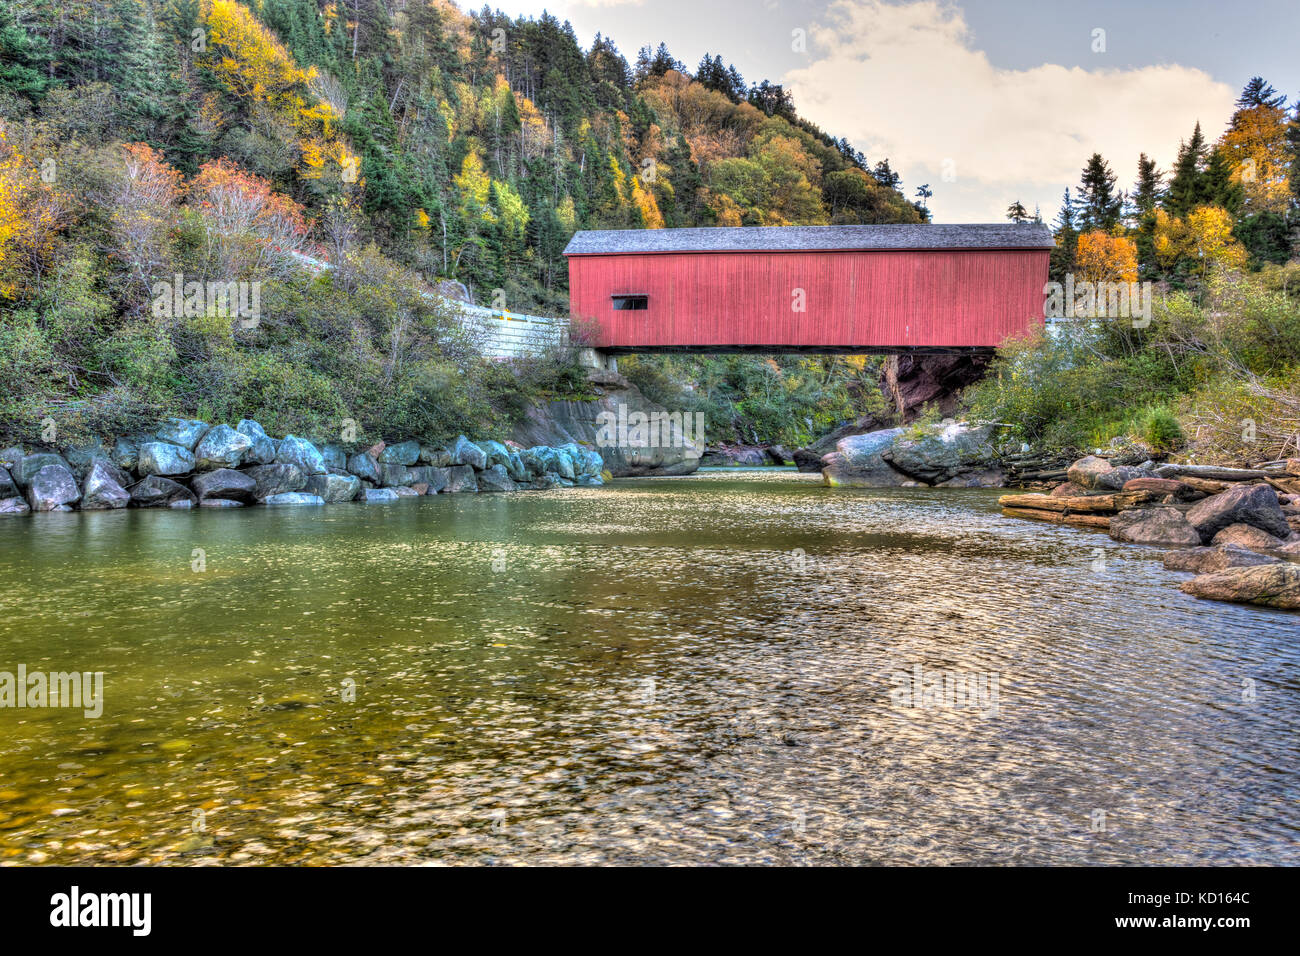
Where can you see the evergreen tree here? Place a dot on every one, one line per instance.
(1260, 93)
(1218, 188)
(1066, 233)
(1016, 212)
(1186, 190)
(1099, 205)
(1146, 197)
(24, 58)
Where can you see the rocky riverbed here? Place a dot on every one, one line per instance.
(187, 463)
(1236, 529)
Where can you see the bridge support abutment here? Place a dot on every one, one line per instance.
(595, 358)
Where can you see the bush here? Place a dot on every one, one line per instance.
(1159, 428)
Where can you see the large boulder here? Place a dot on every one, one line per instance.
(1255, 505)
(1160, 525)
(185, 432)
(378, 496)
(159, 492)
(126, 451)
(302, 453)
(730, 456)
(460, 478)
(220, 503)
(103, 489)
(81, 457)
(262, 449)
(336, 459)
(563, 463)
(221, 447)
(29, 465)
(434, 479)
(293, 498)
(496, 478)
(52, 488)
(439, 456)
(333, 488)
(403, 453)
(395, 476)
(224, 484)
(10, 457)
(940, 453)
(14, 506)
(1271, 585)
(497, 453)
(465, 452)
(1087, 472)
(1120, 475)
(164, 458)
(858, 462)
(1204, 560)
(364, 466)
(1248, 536)
(275, 479)
(8, 487)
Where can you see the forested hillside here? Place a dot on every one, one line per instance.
(402, 139)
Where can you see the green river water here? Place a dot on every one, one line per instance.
(693, 670)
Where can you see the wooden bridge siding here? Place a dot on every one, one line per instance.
(878, 298)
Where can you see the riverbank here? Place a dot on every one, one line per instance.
(1236, 529)
(187, 463)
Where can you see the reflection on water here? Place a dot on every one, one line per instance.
(698, 670)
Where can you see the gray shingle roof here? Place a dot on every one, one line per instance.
(997, 235)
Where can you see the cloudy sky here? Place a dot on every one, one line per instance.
(986, 100)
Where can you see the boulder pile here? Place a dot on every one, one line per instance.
(948, 455)
(1238, 528)
(186, 463)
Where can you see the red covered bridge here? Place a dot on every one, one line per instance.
(849, 289)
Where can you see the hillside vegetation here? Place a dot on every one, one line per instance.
(208, 141)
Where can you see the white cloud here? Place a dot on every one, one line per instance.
(903, 80)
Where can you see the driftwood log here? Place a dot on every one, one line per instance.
(1080, 504)
(1101, 522)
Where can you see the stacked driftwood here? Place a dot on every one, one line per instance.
(1084, 511)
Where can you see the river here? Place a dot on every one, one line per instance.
(713, 669)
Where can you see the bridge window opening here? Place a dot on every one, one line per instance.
(631, 303)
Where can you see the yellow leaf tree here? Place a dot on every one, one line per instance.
(1199, 243)
(1105, 258)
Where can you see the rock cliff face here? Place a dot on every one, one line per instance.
(665, 445)
(950, 455)
(909, 383)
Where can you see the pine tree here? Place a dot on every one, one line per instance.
(1067, 240)
(1186, 190)
(1099, 205)
(1145, 199)
(1016, 212)
(1218, 187)
(24, 58)
(1258, 92)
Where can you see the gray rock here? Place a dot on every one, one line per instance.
(437, 456)
(224, 484)
(159, 492)
(293, 498)
(497, 453)
(333, 488)
(378, 496)
(29, 465)
(52, 487)
(858, 461)
(219, 503)
(395, 476)
(262, 451)
(942, 452)
(182, 504)
(336, 459)
(564, 464)
(298, 451)
(1159, 525)
(515, 467)
(546, 482)
(10, 457)
(495, 478)
(404, 492)
(8, 487)
(81, 457)
(460, 479)
(185, 432)
(277, 479)
(1118, 476)
(1271, 585)
(1255, 505)
(13, 506)
(1207, 560)
(590, 481)
(164, 458)
(364, 467)
(126, 451)
(465, 452)
(435, 478)
(403, 453)
(221, 447)
(1087, 472)
(102, 489)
